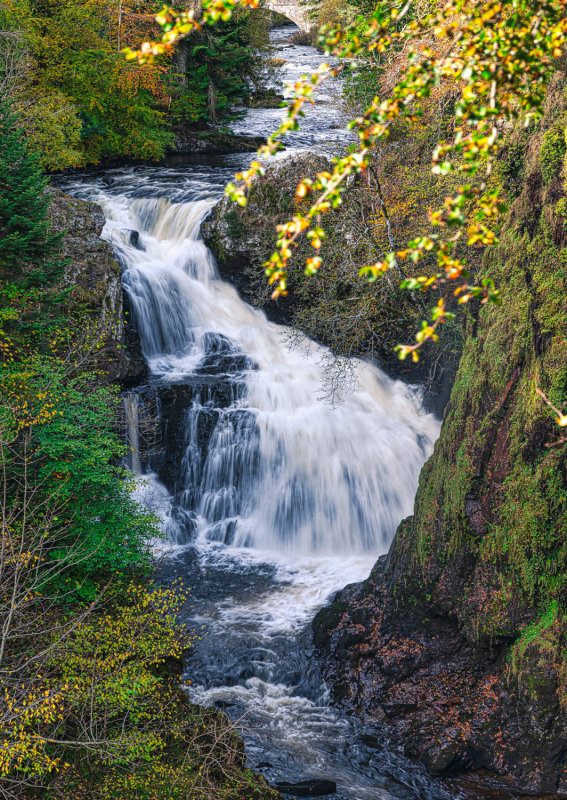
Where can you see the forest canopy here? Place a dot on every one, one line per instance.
(82, 102)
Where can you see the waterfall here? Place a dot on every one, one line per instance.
(277, 498)
(260, 459)
(133, 431)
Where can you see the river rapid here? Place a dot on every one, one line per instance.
(271, 498)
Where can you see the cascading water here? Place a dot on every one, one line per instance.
(275, 497)
(283, 470)
(133, 431)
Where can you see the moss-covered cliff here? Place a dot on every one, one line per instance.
(92, 277)
(460, 638)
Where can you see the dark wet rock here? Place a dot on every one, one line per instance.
(399, 709)
(214, 342)
(406, 666)
(135, 240)
(189, 141)
(174, 401)
(266, 98)
(371, 741)
(225, 364)
(94, 277)
(183, 417)
(309, 788)
(451, 701)
(136, 366)
(215, 384)
(223, 704)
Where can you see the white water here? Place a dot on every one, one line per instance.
(133, 431)
(330, 480)
(312, 490)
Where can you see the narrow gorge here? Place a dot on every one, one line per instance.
(272, 497)
(438, 673)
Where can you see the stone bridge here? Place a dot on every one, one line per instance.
(295, 11)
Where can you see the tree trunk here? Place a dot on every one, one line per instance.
(212, 101)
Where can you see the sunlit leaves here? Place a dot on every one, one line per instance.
(177, 25)
(497, 56)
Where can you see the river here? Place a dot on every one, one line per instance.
(271, 498)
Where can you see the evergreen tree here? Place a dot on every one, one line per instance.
(216, 70)
(25, 238)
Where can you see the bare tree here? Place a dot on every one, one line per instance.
(14, 62)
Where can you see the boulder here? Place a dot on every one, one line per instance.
(313, 787)
(94, 277)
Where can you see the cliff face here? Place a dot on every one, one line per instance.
(243, 239)
(93, 276)
(459, 638)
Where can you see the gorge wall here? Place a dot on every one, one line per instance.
(458, 638)
(92, 276)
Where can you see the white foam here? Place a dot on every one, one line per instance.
(331, 479)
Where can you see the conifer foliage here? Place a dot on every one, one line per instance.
(219, 69)
(24, 230)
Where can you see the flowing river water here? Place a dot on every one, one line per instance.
(271, 498)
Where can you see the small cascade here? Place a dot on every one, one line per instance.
(206, 432)
(133, 431)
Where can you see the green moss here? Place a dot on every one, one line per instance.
(234, 224)
(510, 167)
(538, 659)
(530, 538)
(489, 534)
(553, 150)
(561, 208)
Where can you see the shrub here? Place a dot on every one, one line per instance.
(553, 150)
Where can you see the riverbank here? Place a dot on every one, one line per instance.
(213, 142)
(457, 640)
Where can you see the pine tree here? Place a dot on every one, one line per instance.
(26, 241)
(215, 70)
